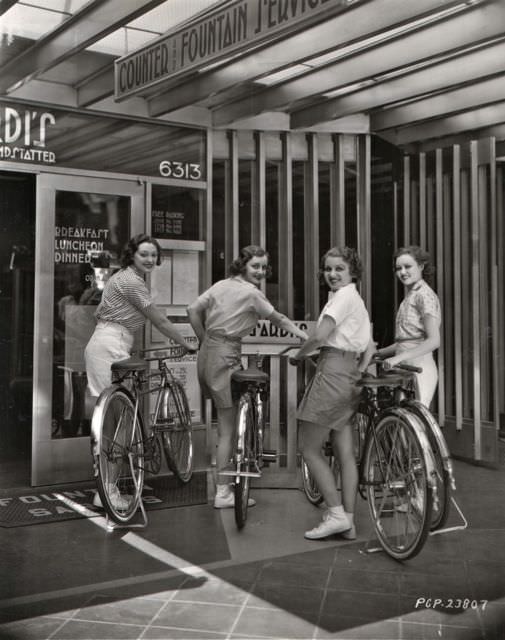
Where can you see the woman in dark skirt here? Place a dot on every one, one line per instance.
(343, 338)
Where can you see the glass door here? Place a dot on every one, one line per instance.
(82, 225)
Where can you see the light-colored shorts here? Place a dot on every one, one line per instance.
(218, 358)
(109, 343)
(332, 397)
(426, 381)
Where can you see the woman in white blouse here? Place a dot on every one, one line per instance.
(343, 338)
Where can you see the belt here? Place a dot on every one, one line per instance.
(224, 337)
(410, 339)
(340, 352)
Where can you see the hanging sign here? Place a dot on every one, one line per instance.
(265, 332)
(216, 35)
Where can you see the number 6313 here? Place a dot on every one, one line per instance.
(185, 170)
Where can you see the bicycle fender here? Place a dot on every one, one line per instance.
(435, 427)
(244, 400)
(439, 437)
(411, 417)
(97, 418)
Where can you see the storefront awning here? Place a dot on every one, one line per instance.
(419, 74)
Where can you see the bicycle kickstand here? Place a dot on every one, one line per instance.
(111, 525)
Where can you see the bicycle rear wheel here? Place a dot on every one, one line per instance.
(442, 479)
(245, 458)
(398, 492)
(177, 434)
(310, 487)
(119, 454)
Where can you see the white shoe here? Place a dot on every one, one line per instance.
(330, 525)
(97, 502)
(416, 501)
(347, 535)
(118, 501)
(228, 500)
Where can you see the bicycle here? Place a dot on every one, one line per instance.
(251, 387)
(123, 449)
(445, 482)
(396, 468)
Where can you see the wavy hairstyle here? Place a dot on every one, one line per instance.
(238, 266)
(132, 247)
(421, 256)
(349, 256)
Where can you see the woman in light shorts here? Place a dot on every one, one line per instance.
(417, 324)
(343, 338)
(125, 307)
(221, 317)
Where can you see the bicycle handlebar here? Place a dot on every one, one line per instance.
(405, 367)
(408, 367)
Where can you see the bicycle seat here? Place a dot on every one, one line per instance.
(253, 374)
(387, 380)
(130, 364)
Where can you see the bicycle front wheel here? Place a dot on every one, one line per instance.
(177, 435)
(398, 492)
(245, 458)
(119, 454)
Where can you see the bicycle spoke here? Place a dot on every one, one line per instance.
(177, 431)
(121, 455)
(397, 487)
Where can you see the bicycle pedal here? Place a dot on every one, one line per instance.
(246, 474)
(164, 426)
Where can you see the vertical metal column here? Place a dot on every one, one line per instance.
(406, 201)
(337, 194)
(311, 224)
(439, 216)
(500, 262)
(258, 221)
(286, 284)
(456, 268)
(231, 215)
(493, 258)
(475, 301)
(206, 266)
(363, 165)
(422, 200)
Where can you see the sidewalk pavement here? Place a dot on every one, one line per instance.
(191, 574)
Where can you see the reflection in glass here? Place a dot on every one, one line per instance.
(90, 232)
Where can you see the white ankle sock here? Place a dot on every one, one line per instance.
(336, 512)
(223, 490)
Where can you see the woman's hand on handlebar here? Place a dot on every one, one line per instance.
(191, 347)
(392, 363)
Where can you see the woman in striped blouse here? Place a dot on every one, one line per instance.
(125, 307)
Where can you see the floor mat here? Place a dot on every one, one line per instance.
(160, 492)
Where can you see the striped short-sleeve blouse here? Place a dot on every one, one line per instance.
(124, 297)
(420, 301)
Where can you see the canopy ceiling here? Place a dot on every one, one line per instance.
(420, 74)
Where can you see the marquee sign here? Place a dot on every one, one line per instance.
(23, 135)
(213, 36)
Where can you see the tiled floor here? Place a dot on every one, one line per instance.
(191, 574)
